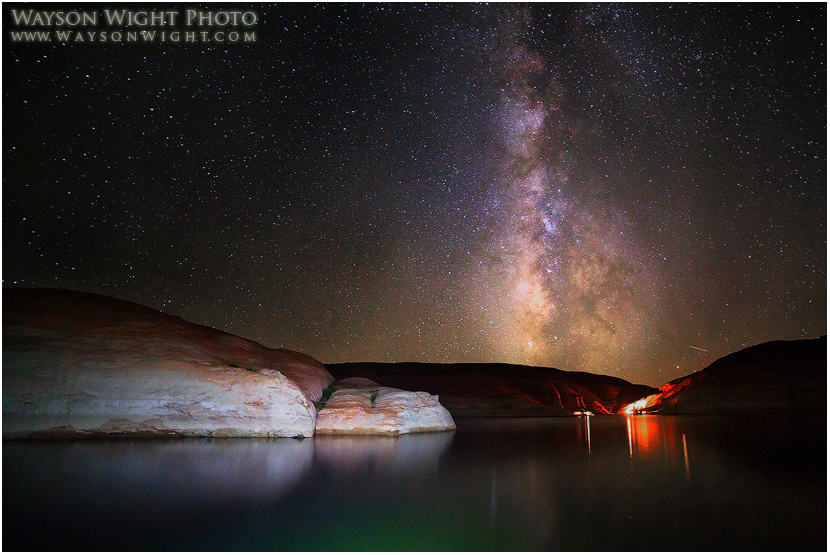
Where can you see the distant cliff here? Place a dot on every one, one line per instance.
(778, 376)
(502, 389)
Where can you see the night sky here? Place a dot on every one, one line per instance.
(633, 190)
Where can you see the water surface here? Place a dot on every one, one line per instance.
(600, 483)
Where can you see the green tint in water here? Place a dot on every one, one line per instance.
(609, 483)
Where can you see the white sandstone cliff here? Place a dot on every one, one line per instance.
(79, 363)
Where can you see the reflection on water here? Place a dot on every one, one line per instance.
(161, 473)
(586, 483)
(586, 418)
(400, 455)
(649, 435)
(686, 456)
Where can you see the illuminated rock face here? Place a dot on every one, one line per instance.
(359, 406)
(503, 390)
(778, 376)
(78, 363)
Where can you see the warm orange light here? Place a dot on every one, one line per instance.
(643, 404)
(642, 433)
(686, 456)
(635, 406)
(645, 431)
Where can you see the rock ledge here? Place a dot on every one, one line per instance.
(358, 406)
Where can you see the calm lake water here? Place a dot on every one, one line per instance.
(599, 483)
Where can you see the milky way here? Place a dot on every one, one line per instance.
(589, 187)
(560, 281)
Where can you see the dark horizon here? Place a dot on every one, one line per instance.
(625, 190)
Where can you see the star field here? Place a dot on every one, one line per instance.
(621, 189)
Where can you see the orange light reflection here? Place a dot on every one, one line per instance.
(588, 425)
(643, 432)
(686, 456)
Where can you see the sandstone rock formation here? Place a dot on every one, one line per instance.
(359, 406)
(778, 376)
(503, 390)
(80, 363)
